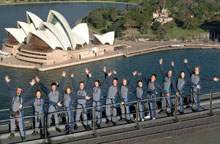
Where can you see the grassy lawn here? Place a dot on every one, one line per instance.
(150, 32)
(182, 32)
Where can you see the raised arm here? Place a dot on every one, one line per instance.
(161, 67)
(75, 87)
(104, 81)
(60, 88)
(43, 88)
(88, 81)
(208, 79)
(11, 90)
(175, 70)
(105, 77)
(26, 91)
(132, 78)
(188, 67)
(107, 81)
(116, 75)
(145, 79)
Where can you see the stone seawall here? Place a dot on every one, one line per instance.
(129, 51)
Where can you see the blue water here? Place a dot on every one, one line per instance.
(208, 60)
(9, 15)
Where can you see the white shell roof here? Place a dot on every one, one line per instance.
(62, 24)
(107, 38)
(45, 36)
(62, 39)
(32, 18)
(81, 33)
(25, 27)
(56, 32)
(18, 34)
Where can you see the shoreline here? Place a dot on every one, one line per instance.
(60, 2)
(130, 51)
(170, 47)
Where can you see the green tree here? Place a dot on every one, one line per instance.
(130, 24)
(190, 24)
(161, 31)
(162, 4)
(156, 26)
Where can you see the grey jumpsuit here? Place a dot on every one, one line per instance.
(96, 101)
(113, 91)
(38, 112)
(168, 86)
(153, 88)
(67, 102)
(196, 80)
(16, 114)
(124, 92)
(81, 103)
(53, 99)
(180, 84)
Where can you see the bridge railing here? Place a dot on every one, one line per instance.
(134, 113)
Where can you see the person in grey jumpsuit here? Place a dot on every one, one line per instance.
(68, 99)
(113, 91)
(81, 103)
(54, 98)
(96, 96)
(181, 82)
(196, 78)
(38, 105)
(125, 87)
(140, 90)
(168, 86)
(152, 91)
(16, 110)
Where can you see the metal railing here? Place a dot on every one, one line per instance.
(134, 113)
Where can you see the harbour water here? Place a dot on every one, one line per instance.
(10, 14)
(208, 60)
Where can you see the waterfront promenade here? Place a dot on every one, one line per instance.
(122, 48)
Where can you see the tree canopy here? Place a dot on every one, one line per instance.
(187, 15)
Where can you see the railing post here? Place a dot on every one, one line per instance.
(210, 105)
(137, 115)
(94, 120)
(175, 110)
(45, 128)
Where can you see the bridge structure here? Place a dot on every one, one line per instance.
(207, 117)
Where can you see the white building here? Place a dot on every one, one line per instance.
(38, 41)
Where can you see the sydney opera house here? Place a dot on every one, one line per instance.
(54, 41)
